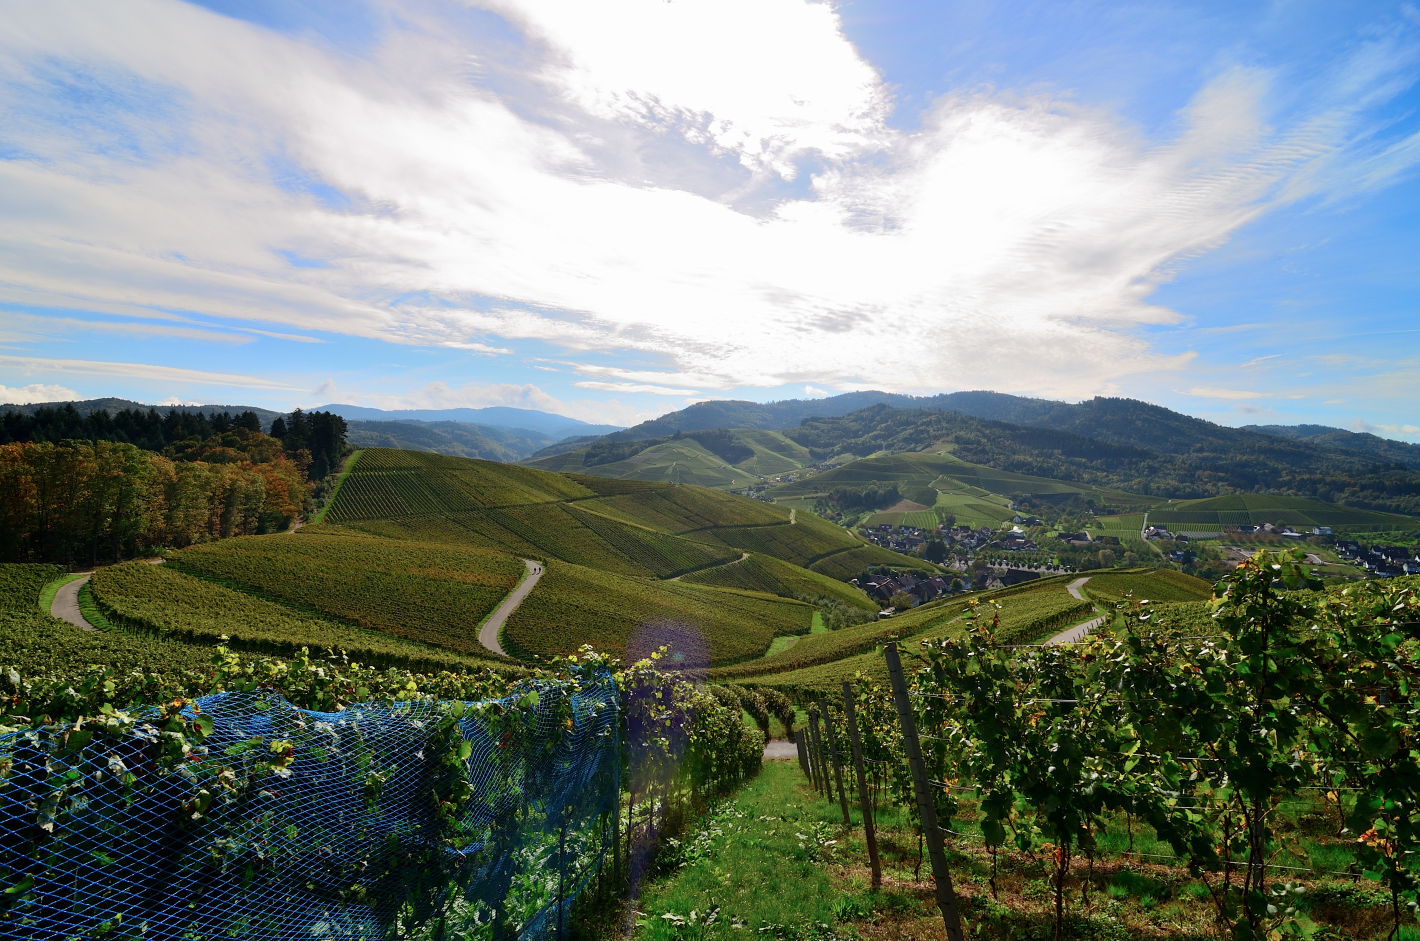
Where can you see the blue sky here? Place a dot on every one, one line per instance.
(610, 210)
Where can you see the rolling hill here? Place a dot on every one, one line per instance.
(623, 557)
(728, 460)
(458, 439)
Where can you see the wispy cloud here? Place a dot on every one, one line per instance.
(1204, 392)
(167, 374)
(443, 191)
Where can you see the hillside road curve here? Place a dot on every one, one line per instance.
(66, 604)
(488, 634)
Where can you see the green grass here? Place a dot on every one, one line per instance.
(574, 605)
(51, 588)
(749, 860)
(160, 602)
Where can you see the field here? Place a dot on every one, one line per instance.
(429, 593)
(1254, 509)
(573, 605)
(153, 599)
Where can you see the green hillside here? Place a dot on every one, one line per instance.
(1252, 509)
(620, 554)
(749, 457)
(973, 494)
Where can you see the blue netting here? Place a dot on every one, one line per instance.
(347, 842)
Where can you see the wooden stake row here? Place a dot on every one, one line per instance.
(816, 757)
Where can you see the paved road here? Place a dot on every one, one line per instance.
(780, 749)
(66, 604)
(488, 635)
(1076, 633)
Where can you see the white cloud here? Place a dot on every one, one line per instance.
(1212, 393)
(37, 392)
(814, 392)
(617, 185)
(177, 400)
(632, 387)
(166, 374)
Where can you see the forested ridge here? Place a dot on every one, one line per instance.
(1208, 466)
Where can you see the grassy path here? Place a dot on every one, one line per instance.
(339, 482)
(759, 859)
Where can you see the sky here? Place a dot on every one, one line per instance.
(611, 210)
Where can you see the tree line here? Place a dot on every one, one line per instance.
(99, 496)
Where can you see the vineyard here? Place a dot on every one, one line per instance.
(1240, 763)
(1022, 614)
(432, 594)
(155, 600)
(768, 574)
(1252, 509)
(574, 605)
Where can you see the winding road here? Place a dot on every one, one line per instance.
(66, 604)
(1079, 631)
(488, 634)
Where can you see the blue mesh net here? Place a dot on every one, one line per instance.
(418, 820)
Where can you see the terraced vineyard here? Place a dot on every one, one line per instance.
(768, 574)
(631, 528)
(169, 605)
(851, 563)
(430, 593)
(573, 605)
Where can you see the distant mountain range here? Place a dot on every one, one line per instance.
(1111, 442)
(554, 427)
(494, 434)
(1120, 421)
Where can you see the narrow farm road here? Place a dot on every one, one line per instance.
(1074, 588)
(710, 568)
(1076, 633)
(66, 605)
(488, 634)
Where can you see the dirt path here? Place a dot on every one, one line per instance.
(710, 568)
(488, 634)
(66, 604)
(1074, 588)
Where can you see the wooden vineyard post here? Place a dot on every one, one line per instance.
(833, 757)
(819, 761)
(803, 753)
(946, 895)
(869, 831)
